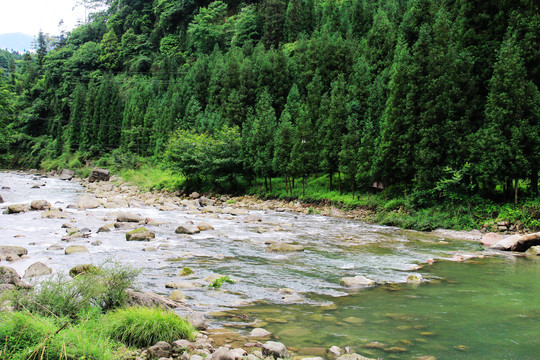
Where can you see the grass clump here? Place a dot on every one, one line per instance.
(142, 327)
(219, 282)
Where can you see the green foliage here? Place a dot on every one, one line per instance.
(186, 271)
(219, 282)
(63, 296)
(142, 327)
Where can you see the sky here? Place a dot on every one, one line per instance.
(31, 16)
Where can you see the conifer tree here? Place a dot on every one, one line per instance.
(77, 117)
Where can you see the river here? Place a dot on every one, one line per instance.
(483, 308)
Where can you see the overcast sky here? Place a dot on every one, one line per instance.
(30, 16)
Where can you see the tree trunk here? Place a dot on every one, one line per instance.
(270, 184)
(304, 187)
(516, 183)
(353, 185)
(331, 184)
(265, 184)
(339, 181)
(534, 181)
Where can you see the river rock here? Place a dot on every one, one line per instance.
(517, 242)
(40, 205)
(88, 202)
(82, 269)
(198, 320)
(491, 238)
(54, 214)
(204, 227)
(180, 285)
(99, 175)
(334, 351)
(275, 349)
(414, 279)
(18, 208)
(223, 354)
(128, 217)
(238, 353)
(204, 201)
(533, 251)
(149, 299)
(177, 295)
(252, 218)
(12, 252)
(187, 229)
(67, 174)
(140, 234)
(284, 248)
(1, 199)
(353, 356)
(37, 269)
(161, 350)
(8, 276)
(182, 344)
(125, 225)
(105, 228)
(195, 195)
(211, 278)
(72, 249)
(259, 333)
(356, 282)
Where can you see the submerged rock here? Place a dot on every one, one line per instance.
(259, 333)
(204, 227)
(414, 279)
(284, 248)
(356, 282)
(37, 269)
(177, 295)
(353, 356)
(140, 234)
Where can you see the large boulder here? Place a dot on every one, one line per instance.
(140, 234)
(187, 229)
(533, 251)
(72, 249)
(9, 276)
(37, 269)
(356, 282)
(275, 349)
(519, 243)
(12, 252)
(128, 217)
(490, 239)
(18, 208)
(67, 174)
(99, 175)
(284, 248)
(40, 205)
(88, 202)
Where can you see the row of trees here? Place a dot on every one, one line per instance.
(399, 92)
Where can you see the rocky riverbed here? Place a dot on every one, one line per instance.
(274, 252)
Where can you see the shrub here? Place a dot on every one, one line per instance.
(142, 327)
(61, 296)
(218, 282)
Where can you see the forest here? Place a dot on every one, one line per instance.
(434, 100)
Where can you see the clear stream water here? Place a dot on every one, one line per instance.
(478, 309)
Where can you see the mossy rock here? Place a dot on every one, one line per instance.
(140, 234)
(82, 269)
(186, 271)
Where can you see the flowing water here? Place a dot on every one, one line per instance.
(477, 309)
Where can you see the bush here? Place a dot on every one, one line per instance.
(61, 296)
(142, 327)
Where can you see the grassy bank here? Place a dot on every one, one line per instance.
(410, 209)
(85, 317)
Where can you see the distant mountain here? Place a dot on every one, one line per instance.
(16, 42)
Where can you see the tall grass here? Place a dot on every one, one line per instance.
(141, 327)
